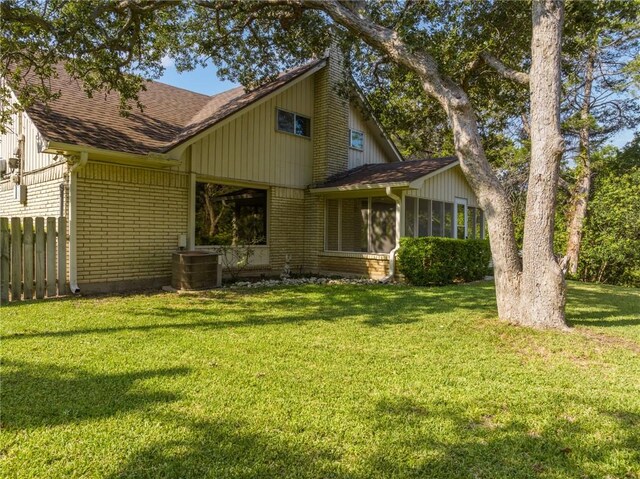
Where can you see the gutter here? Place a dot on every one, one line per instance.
(392, 253)
(138, 159)
(360, 187)
(73, 221)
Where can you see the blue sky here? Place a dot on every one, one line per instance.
(205, 80)
(201, 80)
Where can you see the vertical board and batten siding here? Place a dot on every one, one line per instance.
(249, 148)
(446, 186)
(372, 152)
(33, 159)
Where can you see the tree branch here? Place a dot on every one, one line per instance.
(505, 71)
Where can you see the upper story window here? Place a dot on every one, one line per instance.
(356, 139)
(293, 123)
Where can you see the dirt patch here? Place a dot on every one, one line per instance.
(610, 341)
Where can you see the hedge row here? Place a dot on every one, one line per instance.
(431, 260)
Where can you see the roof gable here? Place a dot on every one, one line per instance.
(170, 115)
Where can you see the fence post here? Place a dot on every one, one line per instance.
(16, 259)
(27, 257)
(51, 257)
(40, 258)
(62, 256)
(5, 244)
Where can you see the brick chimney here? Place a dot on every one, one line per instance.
(331, 121)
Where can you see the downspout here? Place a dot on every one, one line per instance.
(392, 253)
(73, 221)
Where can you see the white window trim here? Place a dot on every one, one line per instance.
(457, 200)
(295, 115)
(460, 201)
(351, 145)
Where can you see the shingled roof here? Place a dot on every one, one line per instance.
(386, 173)
(170, 115)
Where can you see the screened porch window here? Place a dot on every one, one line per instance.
(365, 225)
(425, 217)
(230, 215)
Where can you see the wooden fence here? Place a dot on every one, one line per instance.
(32, 262)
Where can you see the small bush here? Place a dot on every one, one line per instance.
(430, 260)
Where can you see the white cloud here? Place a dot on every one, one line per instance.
(167, 61)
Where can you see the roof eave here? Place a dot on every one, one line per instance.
(360, 187)
(160, 160)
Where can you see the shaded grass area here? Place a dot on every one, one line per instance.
(319, 381)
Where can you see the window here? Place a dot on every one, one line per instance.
(410, 204)
(461, 218)
(356, 140)
(229, 215)
(424, 217)
(382, 227)
(293, 123)
(437, 218)
(449, 222)
(471, 222)
(354, 224)
(360, 225)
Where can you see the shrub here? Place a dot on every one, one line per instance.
(430, 260)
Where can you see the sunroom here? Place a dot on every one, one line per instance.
(368, 208)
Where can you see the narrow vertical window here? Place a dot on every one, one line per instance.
(449, 223)
(356, 139)
(410, 204)
(471, 224)
(437, 218)
(424, 216)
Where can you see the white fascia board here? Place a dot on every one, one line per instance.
(362, 187)
(151, 159)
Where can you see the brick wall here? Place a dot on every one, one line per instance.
(368, 265)
(129, 220)
(43, 194)
(286, 228)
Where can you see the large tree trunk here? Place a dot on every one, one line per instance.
(497, 207)
(580, 196)
(542, 294)
(532, 294)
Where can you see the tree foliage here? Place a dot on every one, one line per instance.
(458, 52)
(611, 244)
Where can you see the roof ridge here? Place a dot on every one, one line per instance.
(173, 87)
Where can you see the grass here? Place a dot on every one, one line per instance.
(331, 381)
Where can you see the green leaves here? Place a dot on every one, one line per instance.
(430, 260)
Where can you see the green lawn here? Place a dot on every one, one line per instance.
(319, 381)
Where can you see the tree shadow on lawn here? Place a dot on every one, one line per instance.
(603, 308)
(373, 306)
(487, 447)
(35, 395)
(406, 441)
